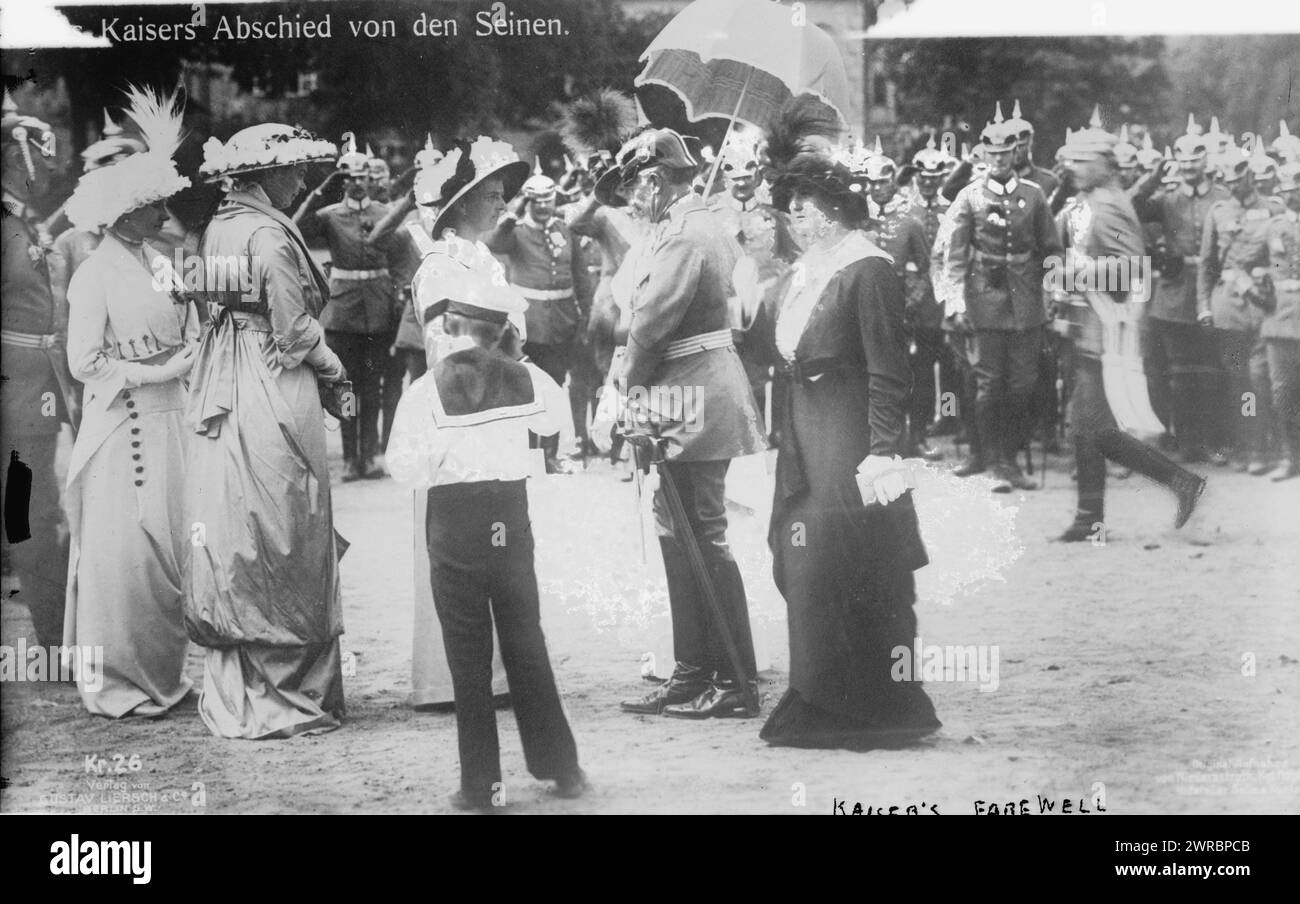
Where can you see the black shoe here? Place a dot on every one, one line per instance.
(462, 800)
(571, 786)
(373, 471)
(1189, 488)
(1077, 533)
(687, 683)
(721, 700)
(353, 470)
(972, 465)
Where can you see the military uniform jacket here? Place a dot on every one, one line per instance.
(543, 268)
(1234, 242)
(365, 305)
(681, 283)
(1043, 178)
(1181, 214)
(1001, 234)
(901, 235)
(1101, 229)
(1284, 267)
(28, 308)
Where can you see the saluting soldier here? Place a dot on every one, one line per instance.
(1234, 254)
(538, 249)
(1002, 234)
(361, 317)
(900, 233)
(36, 393)
(680, 341)
(931, 166)
(1189, 353)
(1100, 230)
(1281, 329)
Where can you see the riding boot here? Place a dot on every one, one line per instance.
(1018, 425)
(1125, 450)
(982, 428)
(1090, 467)
(1187, 420)
(729, 587)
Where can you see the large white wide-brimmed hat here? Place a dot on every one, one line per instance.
(107, 192)
(263, 147)
(450, 178)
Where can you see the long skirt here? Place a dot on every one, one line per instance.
(128, 545)
(263, 576)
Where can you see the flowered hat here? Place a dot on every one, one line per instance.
(261, 148)
(450, 178)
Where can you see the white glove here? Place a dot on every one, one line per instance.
(881, 479)
(178, 365)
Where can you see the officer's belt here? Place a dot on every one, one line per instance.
(29, 340)
(693, 345)
(340, 273)
(543, 294)
(1002, 258)
(230, 302)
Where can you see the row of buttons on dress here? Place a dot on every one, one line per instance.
(135, 441)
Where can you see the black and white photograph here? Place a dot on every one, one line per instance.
(677, 407)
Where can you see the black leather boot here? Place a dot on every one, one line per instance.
(686, 684)
(1017, 418)
(723, 699)
(1119, 447)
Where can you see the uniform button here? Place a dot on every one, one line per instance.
(130, 404)
(135, 429)
(139, 470)
(139, 483)
(135, 443)
(126, 394)
(135, 457)
(135, 414)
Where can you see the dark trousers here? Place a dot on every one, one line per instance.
(1248, 408)
(1096, 439)
(41, 559)
(394, 372)
(1005, 363)
(1284, 374)
(1195, 382)
(364, 358)
(554, 361)
(697, 637)
(927, 351)
(481, 570)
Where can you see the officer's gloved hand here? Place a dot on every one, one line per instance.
(882, 479)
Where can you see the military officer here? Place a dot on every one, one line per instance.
(1002, 234)
(1286, 147)
(537, 247)
(1281, 328)
(1234, 253)
(899, 232)
(1023, 158)
(360, 317)
(1100, 230)
(680, 341)
(1189, 353)
(36, 393)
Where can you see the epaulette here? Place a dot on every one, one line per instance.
(1030, 182)
(329, 208)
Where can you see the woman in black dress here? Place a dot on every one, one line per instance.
(844, 567)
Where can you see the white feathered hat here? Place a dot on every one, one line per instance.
(106, 193)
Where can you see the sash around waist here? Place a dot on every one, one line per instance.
(701, 342)
(29, 340)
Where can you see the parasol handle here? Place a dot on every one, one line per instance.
(731, 124)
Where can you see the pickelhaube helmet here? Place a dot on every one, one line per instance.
(1231, 165)
(1091, 142)
(1191, 145)
(113, 145)
(997, 135)
(1218, 141)
(1262, 166)
(880, 167)
(352, 162)
(538, 186)
(1286, 145)
(32, 135)
(1126, 153)
(1021, 127)
(1148, 157)
(930, 161)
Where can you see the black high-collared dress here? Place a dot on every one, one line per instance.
(844, 568)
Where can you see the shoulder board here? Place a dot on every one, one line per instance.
(1029, 182)
(330, 208)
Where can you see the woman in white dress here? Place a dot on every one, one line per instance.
(131, 340)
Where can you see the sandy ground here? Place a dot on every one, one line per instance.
(1158, 672)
